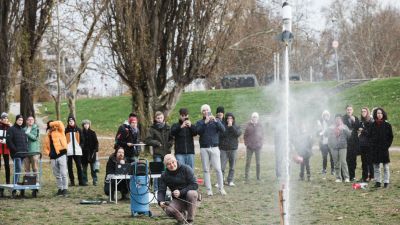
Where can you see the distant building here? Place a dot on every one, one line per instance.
(239, 80)
(197, 85)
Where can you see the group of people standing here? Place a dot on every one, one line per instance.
(63, 145)
(347, 137)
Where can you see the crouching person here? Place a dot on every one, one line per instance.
(116, 160)
(182, 183)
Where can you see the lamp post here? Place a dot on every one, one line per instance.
(335, 45)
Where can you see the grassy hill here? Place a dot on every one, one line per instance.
(107, 114)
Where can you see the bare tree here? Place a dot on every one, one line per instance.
(159, 46)
(10, 18)
(36, 18)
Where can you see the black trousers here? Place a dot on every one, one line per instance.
(351, 161)
(78, 163)
(6, 159)
(366, 163)
(306, 164)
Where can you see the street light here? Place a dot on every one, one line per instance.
(335, 45)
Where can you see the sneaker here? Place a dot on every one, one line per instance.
(347, 180)
(386, 185)
(338, 181)
(209, 193)
(59, 192)
(231, 184)
(94, 183)
(377, 185)
(323, 171)
(222, 191)
(332, 172)
(64, 192)
(216, 185)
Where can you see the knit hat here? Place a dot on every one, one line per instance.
(4, 115)
(220, 109)
(86, 122)
(70, 117)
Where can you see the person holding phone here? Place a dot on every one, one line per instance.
(183, 132)
(209, 129)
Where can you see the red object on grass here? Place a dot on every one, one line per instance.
(200, 181)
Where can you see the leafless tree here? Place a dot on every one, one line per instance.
(10, 20)
(36, 18)
(160, 46)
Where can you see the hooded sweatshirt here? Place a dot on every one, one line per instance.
(228, 140)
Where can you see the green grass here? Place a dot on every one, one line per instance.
(317, 202)
(107, 114)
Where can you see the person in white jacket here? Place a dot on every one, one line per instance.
(74, 150)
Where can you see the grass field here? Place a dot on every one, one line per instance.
(317, 202)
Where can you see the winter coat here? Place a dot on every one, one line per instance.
(381, 139)
(181, 179)
(303, 145)
(90, 147)
(184, 143)
(3, 136)
(55, 139)
(112, 164)
(364, 135)
(338, 142)
(323, 125)
(33, 138)
(161, 139)
(229, 139)
(209, 133)
(353, 144)
(17, 141)
(254, 136)
(125, 135)
(74, 140)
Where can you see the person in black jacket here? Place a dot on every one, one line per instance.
(182, 183)
(116, 159)
(184, 131)
(353, 145)
(365, 148)
(381, 135)
(75, 141)
(17, 142)
(89, 151)
(228, 145)
(128, 136)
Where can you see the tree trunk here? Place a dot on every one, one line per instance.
(26, 99)
(4, 84)
(71, 96)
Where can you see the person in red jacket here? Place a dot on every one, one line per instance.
(4, 151)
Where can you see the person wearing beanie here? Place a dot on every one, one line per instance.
(220, 112)
(161, 139)
(55, 146)
(184, 131)
(4, 150)
(75, 141)
(89, 151)
(228, 144)
(209, 128)
(128, 136)
(17, 142)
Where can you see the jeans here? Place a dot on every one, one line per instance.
(386, 172)
(249, 154)
(17, 169)
(31, 161)
(60, 171)
(156, 158)
(210, 156)
(187, 159)
(92, 172)
(325, 151)
(231, 157)
(178, 207)
(339, 158)
(78, 163)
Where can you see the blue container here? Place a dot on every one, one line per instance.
(139, 186)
